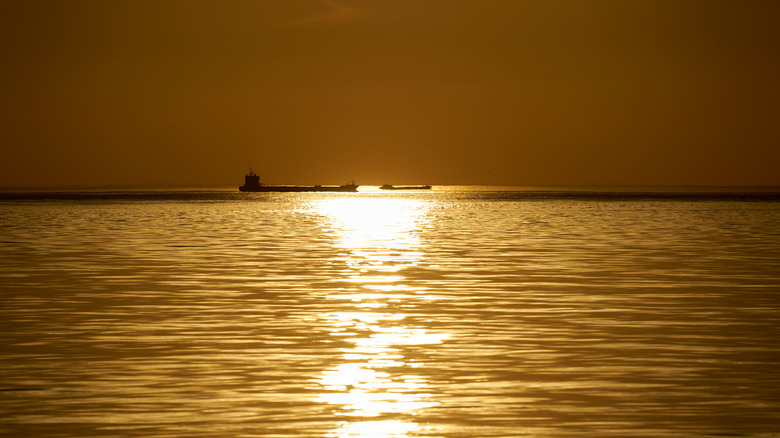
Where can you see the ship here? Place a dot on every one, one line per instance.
(392, 187)
(252, 184)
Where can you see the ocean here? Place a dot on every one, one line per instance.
(462, 311)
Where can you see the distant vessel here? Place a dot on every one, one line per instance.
(252, 184)
(392, 187)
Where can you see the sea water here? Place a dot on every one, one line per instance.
(452, 312)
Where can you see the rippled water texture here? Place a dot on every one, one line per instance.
(445, 313)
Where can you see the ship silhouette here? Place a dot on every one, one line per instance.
(392, 187)
(252, 184)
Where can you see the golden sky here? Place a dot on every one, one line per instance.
(519, 92)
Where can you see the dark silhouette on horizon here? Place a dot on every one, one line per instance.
(252, 184)
(392, 187)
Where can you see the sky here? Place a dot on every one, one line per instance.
(192, 93)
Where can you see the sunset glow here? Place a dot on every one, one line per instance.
(375, 378)
(381, 234)
(390, 218)
(514, 92)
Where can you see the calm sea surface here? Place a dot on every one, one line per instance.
(454, 312)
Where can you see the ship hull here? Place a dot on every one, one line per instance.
(264, 188)
(405, 187)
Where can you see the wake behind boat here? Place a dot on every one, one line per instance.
(392, 187)
(252, 184)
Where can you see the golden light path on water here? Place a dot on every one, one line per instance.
(375, 386)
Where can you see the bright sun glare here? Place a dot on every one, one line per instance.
(380, 232)
(375, 385)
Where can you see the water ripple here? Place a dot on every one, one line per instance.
(445, 314)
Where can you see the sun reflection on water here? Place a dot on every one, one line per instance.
(380, 233)
(377, 385)
(375, 429)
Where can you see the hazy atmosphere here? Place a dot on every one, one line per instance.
(463, 218)
(193, 93)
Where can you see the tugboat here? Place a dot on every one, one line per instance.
(392, 187)
(252, 184)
